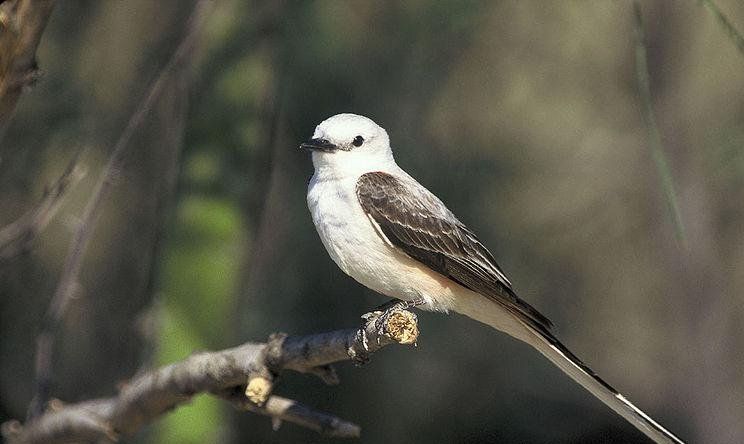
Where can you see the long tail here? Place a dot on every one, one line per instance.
(562, 357)
(547, 344)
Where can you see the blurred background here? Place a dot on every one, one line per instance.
(524, 117)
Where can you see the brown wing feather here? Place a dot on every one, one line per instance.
(419, 224)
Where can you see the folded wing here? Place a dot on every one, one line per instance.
(417, 222)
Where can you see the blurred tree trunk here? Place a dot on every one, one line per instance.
(101, 342)
(264, 211)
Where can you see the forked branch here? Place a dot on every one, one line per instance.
(243, 376)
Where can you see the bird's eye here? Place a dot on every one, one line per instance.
(358, 141)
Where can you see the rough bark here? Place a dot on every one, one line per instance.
(243, 375)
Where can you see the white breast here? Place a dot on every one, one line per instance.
(362, 252)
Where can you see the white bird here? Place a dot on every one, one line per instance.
(387, 231)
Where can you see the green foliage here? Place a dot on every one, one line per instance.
(200, 265)
(199, 421)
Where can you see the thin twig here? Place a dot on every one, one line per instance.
(654, 137)
(172, 118)
(71, 270)
(282, 409)
(224, 374)
(16, 237)
(728, 27)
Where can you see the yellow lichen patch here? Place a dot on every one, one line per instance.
(258, 390)
(402, 327)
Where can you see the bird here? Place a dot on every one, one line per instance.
(391, 234)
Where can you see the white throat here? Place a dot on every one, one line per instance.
(346, 165)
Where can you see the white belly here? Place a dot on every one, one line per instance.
(362, 252)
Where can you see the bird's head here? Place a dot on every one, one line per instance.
(349, 144)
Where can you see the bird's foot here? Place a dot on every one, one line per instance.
(399, 304)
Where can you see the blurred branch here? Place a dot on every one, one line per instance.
(68, 281)
(170, 120)
(242, 375)
(652, 129)
(16, 237)
(21, 24)
(726, 24)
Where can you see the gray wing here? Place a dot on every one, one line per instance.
(417, 222)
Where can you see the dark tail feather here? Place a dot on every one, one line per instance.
(553, 349)
(525, 329)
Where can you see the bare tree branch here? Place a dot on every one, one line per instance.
(16, 237)
(224, 374)
(21, 24)
(73, 262)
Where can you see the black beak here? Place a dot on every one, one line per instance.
(319, 145)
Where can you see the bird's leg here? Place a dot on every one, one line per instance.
(399, 304)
